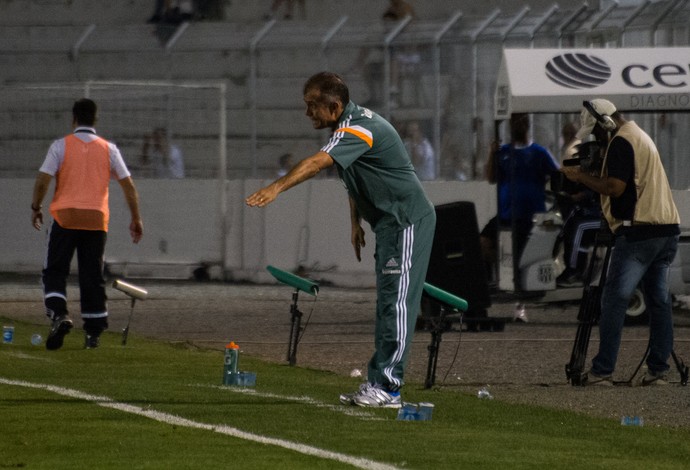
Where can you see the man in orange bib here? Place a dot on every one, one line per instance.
(82, 164)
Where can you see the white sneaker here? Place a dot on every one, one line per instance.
(349, 398)
(375, 396)
(520, 313)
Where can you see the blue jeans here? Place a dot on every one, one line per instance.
(648, 261)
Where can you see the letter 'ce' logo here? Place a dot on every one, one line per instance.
(578, 71)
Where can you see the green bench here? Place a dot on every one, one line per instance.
(300, 284)
(450, 304)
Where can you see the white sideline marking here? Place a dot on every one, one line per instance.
(21, 355)
(221, 429)
(346, 410)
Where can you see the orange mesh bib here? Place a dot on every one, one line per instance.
(81, 190)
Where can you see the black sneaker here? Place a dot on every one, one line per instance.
(60, 327)
(91, 341)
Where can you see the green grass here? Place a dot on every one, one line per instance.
(42, 429)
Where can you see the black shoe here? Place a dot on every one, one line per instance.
(91, 341)
(60, 327)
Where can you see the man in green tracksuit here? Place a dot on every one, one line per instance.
(384, 191)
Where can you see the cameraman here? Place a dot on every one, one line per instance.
(638, 205)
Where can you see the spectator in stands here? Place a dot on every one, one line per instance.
(421, 152)
(172, 11)
(404, 59)
(397, 10)
(285, 163)
(159, 11)
(80, 221)
(160, 158)
(210, 9)
(289, 9)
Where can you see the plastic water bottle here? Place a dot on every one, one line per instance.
(232, 357)
(8, 334)
(231, 374)
(416, 412)
(632, 421)
(408, 412)
(484, 394)
(425, 410)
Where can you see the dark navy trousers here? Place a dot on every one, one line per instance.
(90, 248)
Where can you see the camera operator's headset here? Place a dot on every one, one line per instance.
(605, 121)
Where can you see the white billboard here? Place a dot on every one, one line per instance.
(558, 80)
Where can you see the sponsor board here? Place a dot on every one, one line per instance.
(558, 80)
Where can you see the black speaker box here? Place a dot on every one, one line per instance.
(456, 263)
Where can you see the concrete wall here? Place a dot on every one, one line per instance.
(308, 225)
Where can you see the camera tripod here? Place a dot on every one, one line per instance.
(590, 311)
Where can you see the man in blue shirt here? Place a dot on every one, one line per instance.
(521, 170)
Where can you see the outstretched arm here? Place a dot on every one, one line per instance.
(304, 170)
(136, 226)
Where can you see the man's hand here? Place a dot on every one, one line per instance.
(262, 197)
(358, 240)
(495, 146)
(302, 171)
(40, 189)
(37, 219)
(136, 230)
(605, 185)
(573, 173)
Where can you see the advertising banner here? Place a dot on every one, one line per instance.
(558, 80)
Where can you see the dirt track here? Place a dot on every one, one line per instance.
(524, 363)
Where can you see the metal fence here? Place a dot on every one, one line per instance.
(439, 73)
